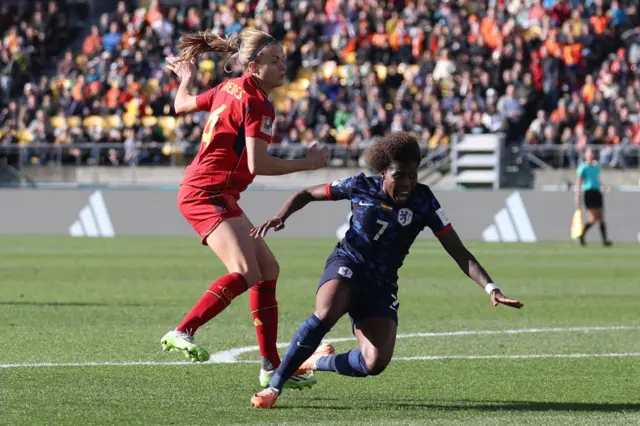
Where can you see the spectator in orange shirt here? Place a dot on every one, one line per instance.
(589, 89)
(93, 43)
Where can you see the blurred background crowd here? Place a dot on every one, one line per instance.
(552, 75)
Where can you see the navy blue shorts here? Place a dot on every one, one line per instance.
(369, 298)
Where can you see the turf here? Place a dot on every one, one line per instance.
(65, 300)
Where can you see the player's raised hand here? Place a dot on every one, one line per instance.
(261, 231)
(183, 69)
(497, 298)
(316, 157)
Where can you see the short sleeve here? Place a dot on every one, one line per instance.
(340, 189)
(580, 170)
(205, 100)
(437, 219)
(259, 120)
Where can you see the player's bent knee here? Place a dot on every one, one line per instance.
(376, 364)
(251, 275)
(270, 271)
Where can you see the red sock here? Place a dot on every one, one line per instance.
(213, 301)
(264, 310)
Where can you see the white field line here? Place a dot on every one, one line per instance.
(230, 356)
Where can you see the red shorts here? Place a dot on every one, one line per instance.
(205, 210)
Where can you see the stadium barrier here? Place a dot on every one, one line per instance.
(498, 216)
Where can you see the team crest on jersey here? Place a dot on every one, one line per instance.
(267, 125)
(405, 216)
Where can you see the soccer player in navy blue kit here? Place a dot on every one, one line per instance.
(361, 274)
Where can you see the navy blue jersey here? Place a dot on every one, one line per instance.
(381, 232)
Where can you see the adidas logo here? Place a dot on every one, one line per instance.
(94, 220)
(512, 223)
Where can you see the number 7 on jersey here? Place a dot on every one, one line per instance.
(207, 135)
(383, 227)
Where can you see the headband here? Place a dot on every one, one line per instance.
(262, 46)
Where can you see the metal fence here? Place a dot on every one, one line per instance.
(567, 156)
(154, 154)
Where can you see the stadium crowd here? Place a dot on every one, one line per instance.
(544, 72)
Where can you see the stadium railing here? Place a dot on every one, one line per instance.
(568, 156)
(162, 154)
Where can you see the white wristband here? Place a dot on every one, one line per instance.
(490, 287)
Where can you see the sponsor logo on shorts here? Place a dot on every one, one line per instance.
(345, 272)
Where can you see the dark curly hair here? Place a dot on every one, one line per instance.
(394, 147)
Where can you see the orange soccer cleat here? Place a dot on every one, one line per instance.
(310, 363)
(265, 398)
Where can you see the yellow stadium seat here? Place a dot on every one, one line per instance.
(152, 85)
(94, 121)
(74, 121)
(305, 73)
(168, 124)
(343, 72)
(207, 66)
(114, 122)
(58, 121)
(381, 70)
(129, 120)
(149, 121)
(24, 137)
(344, 136)
(328, 69)
(350, 58)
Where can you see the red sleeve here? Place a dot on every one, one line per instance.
(205, 100)
(259, 120)
(443, 231)
(327, 189)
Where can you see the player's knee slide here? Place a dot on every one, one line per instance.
(229, 289)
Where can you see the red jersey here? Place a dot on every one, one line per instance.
(239, 109)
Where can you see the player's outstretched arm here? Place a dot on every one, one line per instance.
(296, 202)
(474, 270)
(261, 163)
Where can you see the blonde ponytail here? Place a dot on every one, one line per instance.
(248, 45)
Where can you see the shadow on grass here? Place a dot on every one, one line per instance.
(65, 304)
(522, 406)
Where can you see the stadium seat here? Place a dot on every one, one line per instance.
(74, 121)
(344, 136)
(168, 125)
(381, 70)
(113, 122)
(149, 121)
(24, 137)
(94, 121)
(129, 120)
(151, 86)
(58, 121)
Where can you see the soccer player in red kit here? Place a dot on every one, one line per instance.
(232, 151)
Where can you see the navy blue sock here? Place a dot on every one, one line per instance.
(303, 345)
(348, 364)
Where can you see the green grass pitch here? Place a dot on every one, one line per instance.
(87, 302)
